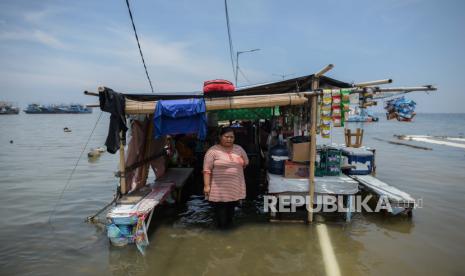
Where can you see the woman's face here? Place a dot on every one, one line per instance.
(227, 139)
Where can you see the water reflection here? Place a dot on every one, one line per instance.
(191, 244)
(398, 224)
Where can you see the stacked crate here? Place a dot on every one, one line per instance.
(329, 163)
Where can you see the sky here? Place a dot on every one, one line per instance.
(51, 51)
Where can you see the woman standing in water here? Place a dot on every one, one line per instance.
(223, 176)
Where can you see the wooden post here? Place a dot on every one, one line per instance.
(313, 99)
(122, 166)
(144, 173)
(373, 173)
(311, 176)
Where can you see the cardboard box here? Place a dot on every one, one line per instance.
(296, 170)
(299, 152)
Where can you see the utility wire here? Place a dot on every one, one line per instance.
(228, 26)
(243, 75)
(138, 44)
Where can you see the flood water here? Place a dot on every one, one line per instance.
(34, 170)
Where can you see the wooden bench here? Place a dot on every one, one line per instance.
(138, 207)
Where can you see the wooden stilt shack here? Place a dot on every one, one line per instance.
(297, 91)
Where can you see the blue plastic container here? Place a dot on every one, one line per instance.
(121, 241)
(129, 220)
(358, 157)
(113, 231)
(126, 230)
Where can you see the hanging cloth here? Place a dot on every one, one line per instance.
(180, 117)
(114, 103)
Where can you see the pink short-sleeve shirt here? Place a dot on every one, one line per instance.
(227, 172)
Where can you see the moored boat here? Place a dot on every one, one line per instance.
(57, 109)
(8, 109)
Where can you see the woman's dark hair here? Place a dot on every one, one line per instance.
(224, 130)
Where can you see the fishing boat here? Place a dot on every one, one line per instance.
(285, 111)
(57, 109)
(8, 109)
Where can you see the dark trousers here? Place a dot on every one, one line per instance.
(224, 213)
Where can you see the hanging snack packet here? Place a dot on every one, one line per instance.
(336, 111)
(337, 122)
(345, 99)
(327, 97)
(326, 121)
(325, 111)
(345, 95)
(336, 96)
(326, 131)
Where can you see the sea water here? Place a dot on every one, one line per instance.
(35, 168)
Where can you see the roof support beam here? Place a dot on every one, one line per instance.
(324, 70)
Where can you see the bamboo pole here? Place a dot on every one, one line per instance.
(235, 102)
(122, 165)
(311, 176)
(322, 72)
(313, 99)
(372, 83)
(138, 107)
(404, 89)
(92, 105)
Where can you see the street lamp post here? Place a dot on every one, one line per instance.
(237, 61)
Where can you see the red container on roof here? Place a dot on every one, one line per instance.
(218, 86)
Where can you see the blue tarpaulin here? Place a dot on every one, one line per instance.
(180, 117)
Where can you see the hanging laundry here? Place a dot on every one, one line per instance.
(114, 103)
(180, 117)
(135, 153)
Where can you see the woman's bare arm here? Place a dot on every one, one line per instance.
(206, 184)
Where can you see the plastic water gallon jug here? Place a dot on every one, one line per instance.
(278, 154)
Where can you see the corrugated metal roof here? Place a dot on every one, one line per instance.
(298, 84)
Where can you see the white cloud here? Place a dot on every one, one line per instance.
(36, 36)
(176, 61)
(32, 26)
(48, 39)
(39, 16)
